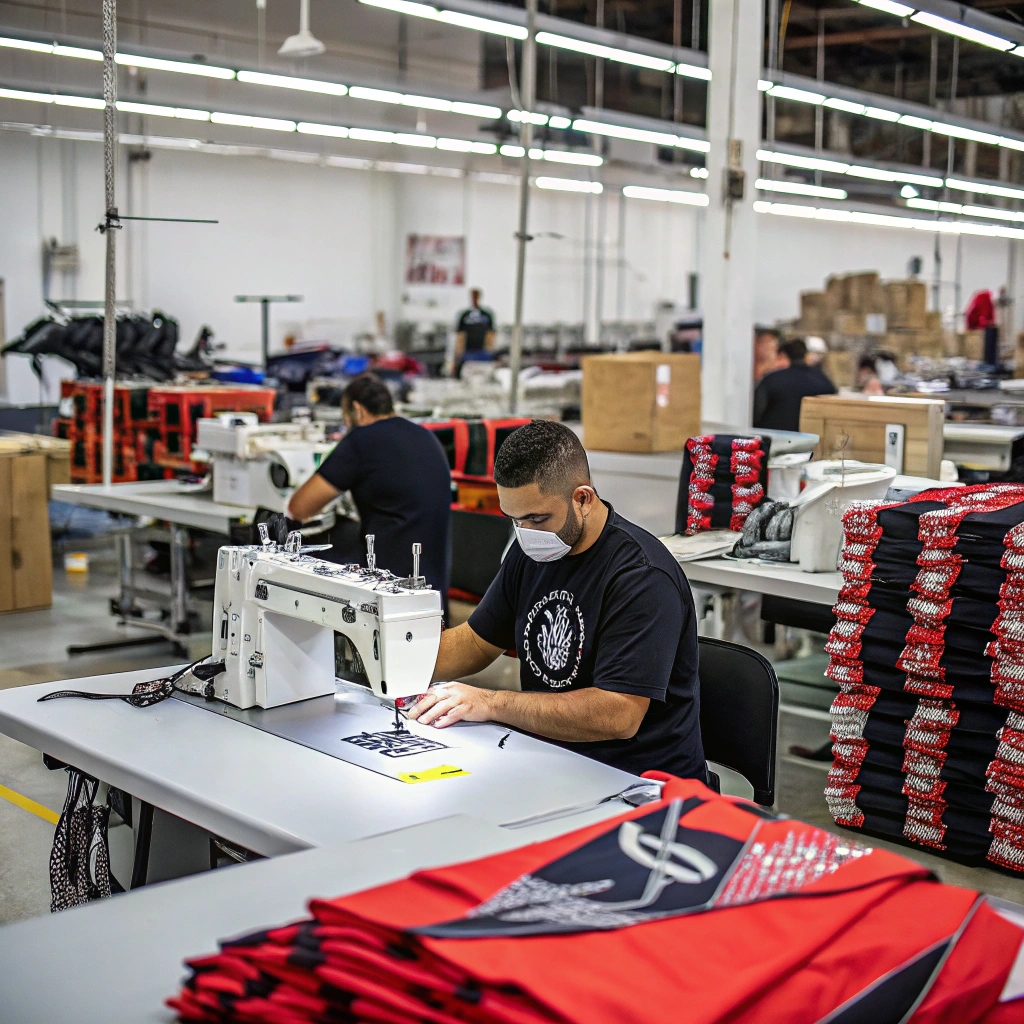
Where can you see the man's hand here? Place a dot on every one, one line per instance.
(453, 702)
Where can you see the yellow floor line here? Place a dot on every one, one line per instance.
(28, 805)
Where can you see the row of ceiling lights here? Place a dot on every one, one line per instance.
(947, 25)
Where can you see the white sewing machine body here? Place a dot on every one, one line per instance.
(259, 465)
(275, 614)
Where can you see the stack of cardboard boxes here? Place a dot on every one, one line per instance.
(860, 314)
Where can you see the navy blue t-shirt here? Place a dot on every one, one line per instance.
(400, 482)
(619, 616)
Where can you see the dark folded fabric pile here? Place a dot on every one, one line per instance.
(928, 651)
(698, 908)
(724, 478)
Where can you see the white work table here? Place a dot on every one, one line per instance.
(171, 500)
(776, 580)
(117, 960)
(274, 796)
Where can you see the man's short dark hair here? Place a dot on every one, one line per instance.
(796, 350)
(371, 393)
(544, 453)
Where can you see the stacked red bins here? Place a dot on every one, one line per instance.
(176, 410)
(82, 425)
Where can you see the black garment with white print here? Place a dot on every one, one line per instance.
(619, 616)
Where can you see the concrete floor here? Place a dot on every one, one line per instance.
(32, 649)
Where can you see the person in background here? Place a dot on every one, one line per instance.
(867, 377)
(474, 337)
(980, 315)
(816, 351)
(399, 479)
(779, 393)
(767, 354)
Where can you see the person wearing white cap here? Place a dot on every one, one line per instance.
(816, 350)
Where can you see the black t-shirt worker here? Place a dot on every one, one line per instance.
(474, 337)
(778, 394)
(598, 611)
(399, 479)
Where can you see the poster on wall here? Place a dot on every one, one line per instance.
(435, 259)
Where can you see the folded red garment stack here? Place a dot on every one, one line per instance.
(948, 771)
(698, 907)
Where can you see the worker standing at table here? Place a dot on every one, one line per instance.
(399, 479)
(598, 611)
(778, 394)
(474, 333)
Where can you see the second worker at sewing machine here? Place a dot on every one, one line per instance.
(598, 611)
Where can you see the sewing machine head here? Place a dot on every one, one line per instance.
(277, 609)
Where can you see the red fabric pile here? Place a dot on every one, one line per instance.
(696, 908)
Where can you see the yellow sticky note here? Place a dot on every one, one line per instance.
(442, 771)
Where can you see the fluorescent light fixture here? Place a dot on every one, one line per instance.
(470, 21)
(570, 185)
(698, 172)
(985, 189)
(558, 121)
(834, 103)
(812, 163)
(155, 110)
(956, 28)
(527, 117)
(958, 227)
(763, 85)
(334, 131)
(475, 109)
(180, 66)
(274, 124)
(694, 71)
(359, 92)
(909, 192)
(23, 94)
(26, 44)
(916, 122)
(959, 132)
(620, 131)
(514, 151)
(79, 52)
(665, 195)
(879, 174)
(464, 146)
(784, 92)
(934, 205)
(562, 156)
(697, 145)
(899, 10)
(994, 213)
(409, 139)
(640, 60)
(427, 103)
(290, 82)
(881, 114)
(798, 188)
(79, 101)
(370, 135)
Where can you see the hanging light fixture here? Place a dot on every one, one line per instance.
(303, 43)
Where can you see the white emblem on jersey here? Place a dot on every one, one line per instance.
(553, 639)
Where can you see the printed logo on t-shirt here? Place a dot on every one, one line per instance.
(553, 639)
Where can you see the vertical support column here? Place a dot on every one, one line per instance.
(109, 225)
(179, 587)
(729, 242)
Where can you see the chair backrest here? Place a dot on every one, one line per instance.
(739, 713)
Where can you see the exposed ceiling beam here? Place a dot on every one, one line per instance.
(862, 35)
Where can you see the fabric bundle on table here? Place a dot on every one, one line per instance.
(724, 478)
(928, 651)
(697, 907)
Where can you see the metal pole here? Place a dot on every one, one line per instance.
(110, 223)
(528, 89)
(265, 330)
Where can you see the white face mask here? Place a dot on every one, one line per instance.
(541, 545)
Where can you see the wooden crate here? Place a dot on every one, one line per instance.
(26, 566)
(640, 401)
(863, 419)
(57, 452)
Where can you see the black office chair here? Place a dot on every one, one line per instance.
(739, 713)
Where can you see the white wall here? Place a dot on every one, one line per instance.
(337, 237)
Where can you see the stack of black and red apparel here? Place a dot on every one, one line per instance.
(928, 651)
(724, 478)
(696, 908)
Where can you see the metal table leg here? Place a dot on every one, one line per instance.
(179, 597)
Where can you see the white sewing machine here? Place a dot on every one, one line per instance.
(276, 610)
(259, 464)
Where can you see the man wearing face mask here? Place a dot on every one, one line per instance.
(598, 611)
(399, 479)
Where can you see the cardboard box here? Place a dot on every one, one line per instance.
(840, 368)
(972, 345)
(906, 304)
(904, 344)
(56, 450)
(640, 401)
(861, 292)
(815, 316)
(26, 567)
(863, 420)
(845, 322)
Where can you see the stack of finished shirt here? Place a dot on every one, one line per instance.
(928, 651)
(696, 908)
